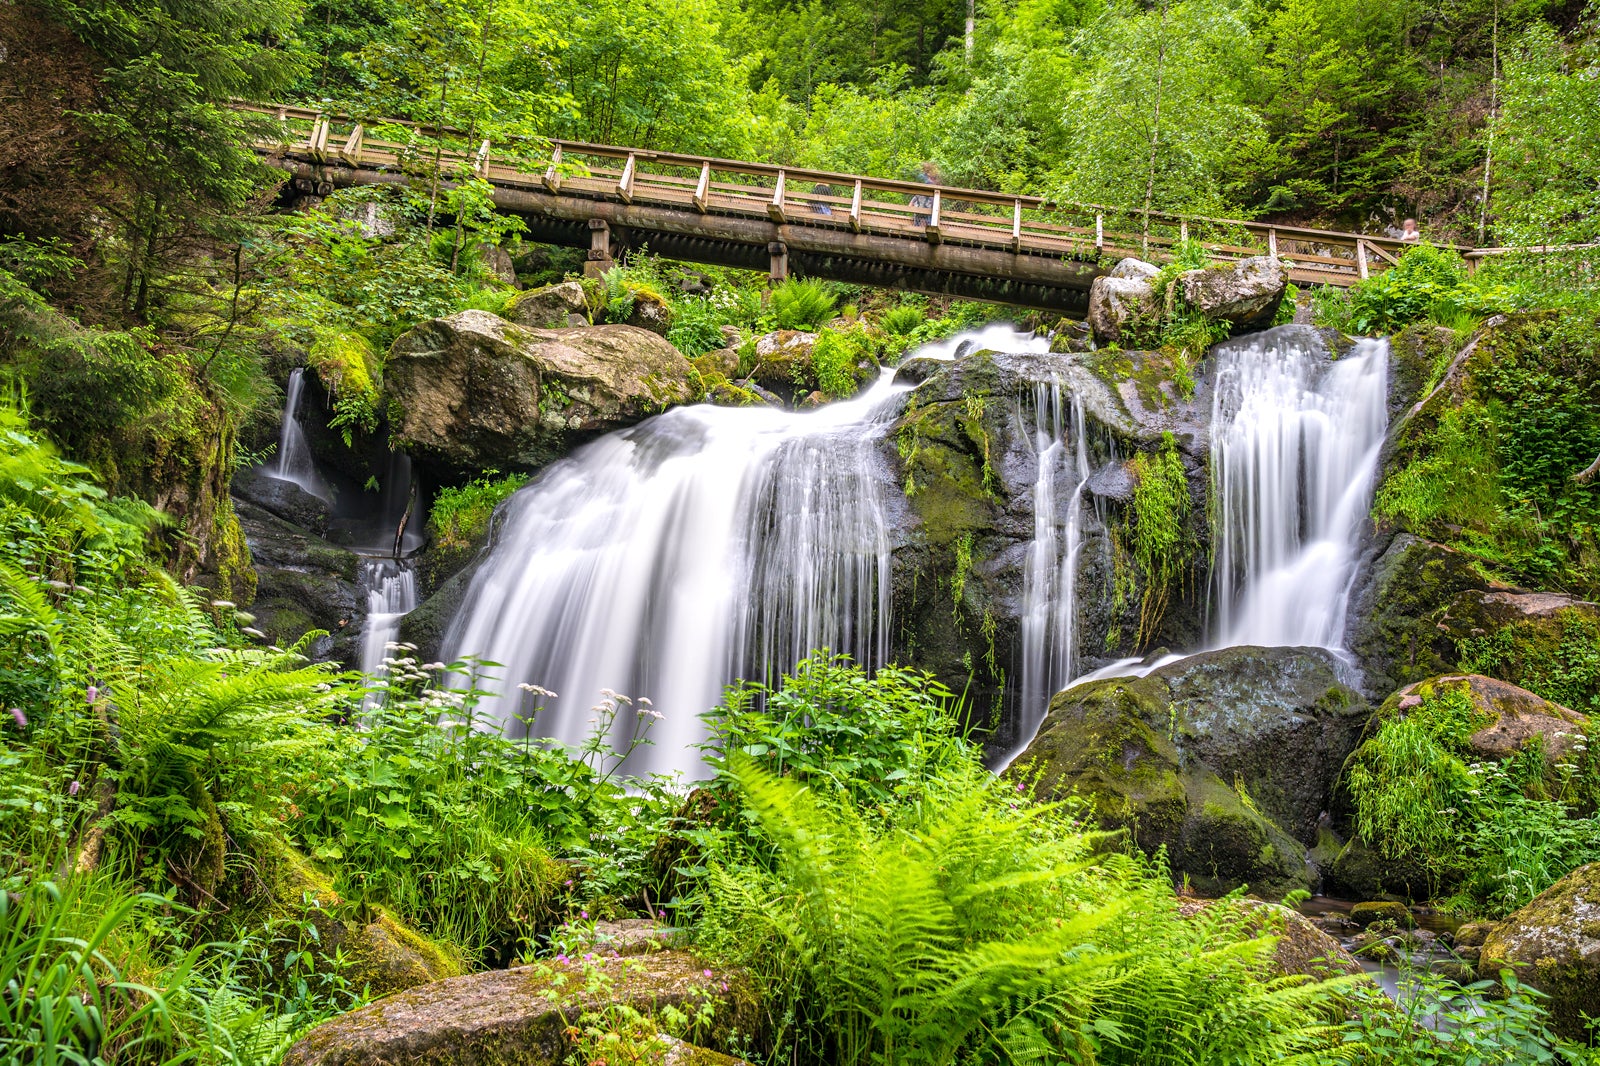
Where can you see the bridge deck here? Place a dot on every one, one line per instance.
(933, 237)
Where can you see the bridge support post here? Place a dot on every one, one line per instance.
(780, 262)
(599, 260)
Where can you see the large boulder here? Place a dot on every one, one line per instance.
(472, 391)
(283, 498)
(1122, 301)
(526, 1014)
(549, 307)
(1227, 758)
(1553, 944)
(1533, 639)
(1508, 719)
(1245, 293)
(783, 362)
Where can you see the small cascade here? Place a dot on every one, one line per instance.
(1294, 449)
(1050, 578)
(295, 462)
(391, 594)
(666, 560)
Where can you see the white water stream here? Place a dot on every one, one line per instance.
(391, 587)
(295, 462)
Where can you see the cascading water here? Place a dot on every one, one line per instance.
(666, 560)
(391, 595)
(1050, 579)
(295, 462)
(1294, 451)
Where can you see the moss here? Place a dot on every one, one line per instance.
(1557, 657)
(351, 371)
(1156, 530)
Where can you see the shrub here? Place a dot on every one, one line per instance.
(801, 303)
(834, 361)
(460, 516)
(902, 320)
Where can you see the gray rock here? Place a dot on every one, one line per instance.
(1131, 269)
(551, 307)
(1553, 944)
(1245, 293)
(303, 583)
(498, 262)
(524, 1014)
(1120, 303)
(284, 499)
(1228, 758)
(473, 392)
(651, 314)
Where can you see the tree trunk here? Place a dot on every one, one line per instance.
(1589, 473)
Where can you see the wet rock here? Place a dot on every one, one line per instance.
(1227, 758)
(1373, 912)
(1122, 301)
(1517, 636)
(1361, 873)
(1396, 608)
(282, 498)
(524, 1014)
(472, 391)
(1071, 336)
(783, 363)
(549, 307)
(1553, 944)
(1510, 719)
(650, 312)
(1245, 293)
(723, 361)
(303, 583)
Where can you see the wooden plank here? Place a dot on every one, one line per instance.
(480, 162)
(1016, 226)
(1385, 255)
(1272, 242)
(1361, 258)
(855, 209)
(625, 182)
(933, 220)
(701, 189)
(775, 208)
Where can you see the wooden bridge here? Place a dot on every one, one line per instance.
(897, 234)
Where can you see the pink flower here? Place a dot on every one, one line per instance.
(92, 692)
(706, 972)
(584, 915)
(18, 717)
(72, 789)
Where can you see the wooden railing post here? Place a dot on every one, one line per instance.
(599, 260)
(1183, 229)
(775, 208)
(933, 219)
(1361, 258)
(480, 162)
(552, 176)
(1272, 242)
(779, 269)
(855, 209)
(351, 153)
(625, 183)
(703, 188)
(1099, 233)
(1016, 225)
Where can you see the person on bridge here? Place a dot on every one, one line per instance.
(821, 207)
(928, 174)
(1409, 231)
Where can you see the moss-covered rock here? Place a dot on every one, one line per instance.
(1545, 642)
(1553, 944)
(1374, 911)
(473, 392)
(1299, 947)
(1228, 759)
(303, 583)
(550, 307)
(527, 1015)
(1358, 872)
(378, 952)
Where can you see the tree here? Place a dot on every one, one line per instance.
(1159, 117)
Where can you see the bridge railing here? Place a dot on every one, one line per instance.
(800, 196)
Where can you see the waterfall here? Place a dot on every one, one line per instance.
(666, 560)
(1294, 450)
(391, 594)
(1050, 576)
(295, 462)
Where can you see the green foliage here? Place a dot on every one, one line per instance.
(802, 303)
(1500, 832)
(1566, 671)
(902, 319)
(459, 516)
(346, 365)
(835, 358)
(956, 936)
(1157, 530)
(878, 740)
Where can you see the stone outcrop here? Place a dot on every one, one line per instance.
(783, 362)
(1509, 718)
(1122, 299)
(1228, 758)
(525, 1014)
(1244, 294)
(550, 307)
(1299, 947)
(303, 583)
(472, 391)
(1553, 944)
